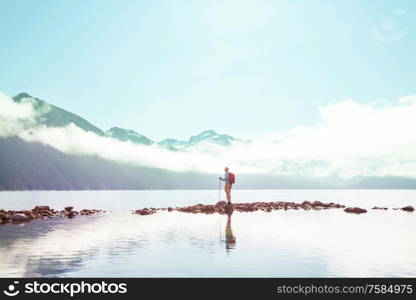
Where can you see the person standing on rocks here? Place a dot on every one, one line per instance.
(229, 179)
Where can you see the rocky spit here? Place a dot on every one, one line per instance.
(41, 212)
(223, 208)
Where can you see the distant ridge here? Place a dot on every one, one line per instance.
(125, 135)
(57, 117)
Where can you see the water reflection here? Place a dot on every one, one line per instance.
(59, 246)
(230, 239)
(174, 244)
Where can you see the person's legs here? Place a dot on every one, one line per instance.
(227, 189)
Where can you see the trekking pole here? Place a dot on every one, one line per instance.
(219, 199)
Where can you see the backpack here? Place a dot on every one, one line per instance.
(231, 177)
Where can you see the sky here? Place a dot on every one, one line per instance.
(175, 68)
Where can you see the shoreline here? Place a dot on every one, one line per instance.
(41, 212)
(45, 212)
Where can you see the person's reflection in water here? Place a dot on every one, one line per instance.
(230, 240)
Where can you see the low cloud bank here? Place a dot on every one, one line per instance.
(352, 139)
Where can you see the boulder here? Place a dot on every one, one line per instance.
(355, 210)
(69, 208)
(408, 208)
(229, 209)
(145, 211)
(3, 218)
(221, 204)
(41, 208)
(71, 215)
(19, 217)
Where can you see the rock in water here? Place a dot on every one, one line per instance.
(229, 208)
(355, 210)
(3, 218)
(19, 218)
(408, 208)
(71, 215)
(41, 208)
(318, 203)
(221, 204)
(69, 208)
(145, 211)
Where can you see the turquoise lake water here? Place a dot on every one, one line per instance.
(292, 243)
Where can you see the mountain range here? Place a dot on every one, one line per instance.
(58, 117)
(35, 166)
(55, 116)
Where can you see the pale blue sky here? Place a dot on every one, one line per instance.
(174, 68)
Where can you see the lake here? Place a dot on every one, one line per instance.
(292, 243)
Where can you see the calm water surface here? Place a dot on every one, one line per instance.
(293, 243)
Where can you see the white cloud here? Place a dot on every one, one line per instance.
(14, 117)
(352, 139)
